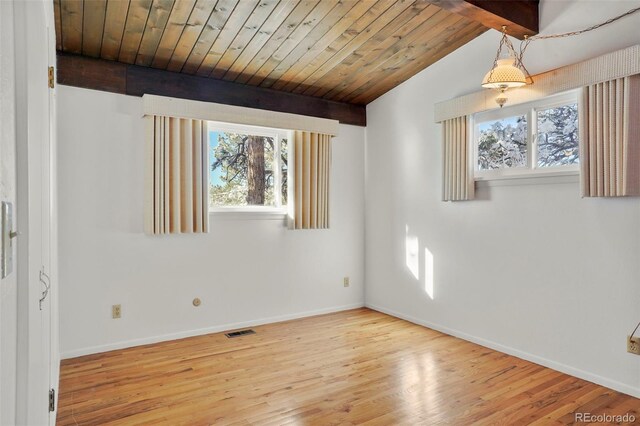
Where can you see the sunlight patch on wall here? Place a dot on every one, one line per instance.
(428, 272)
(412, 248)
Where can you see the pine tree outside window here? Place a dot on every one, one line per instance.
(534, 139)
(248, 168)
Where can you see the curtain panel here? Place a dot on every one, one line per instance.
(311, 170)
(457, 176)
(176, 176)
(610, 138)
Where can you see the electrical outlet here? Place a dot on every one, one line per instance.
(345, 281)
(116, 311)
(633, 345)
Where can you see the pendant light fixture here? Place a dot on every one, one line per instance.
(508, 71)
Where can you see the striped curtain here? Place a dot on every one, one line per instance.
(610, 138)
(457, 174)
(176, 176)
(312, 167)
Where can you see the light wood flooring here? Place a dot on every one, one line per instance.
(352, 367)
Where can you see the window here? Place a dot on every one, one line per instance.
(540, 137)
(557, 136)
(502, 143)
(248, 168)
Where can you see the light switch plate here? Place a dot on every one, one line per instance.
(7, 245)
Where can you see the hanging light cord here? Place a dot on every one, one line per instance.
(525, 43)
(591, 28)
(634, 331)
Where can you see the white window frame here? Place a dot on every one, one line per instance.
(258, 212)
(529, 110)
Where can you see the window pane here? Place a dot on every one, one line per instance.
(503, 143)
(241, 172)
(558, 136)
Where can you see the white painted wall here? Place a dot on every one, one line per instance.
(8, 286)
(245, 271)
(533, 270)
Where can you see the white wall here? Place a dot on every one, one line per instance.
(533, 270)
(8, 286)
(243, 270)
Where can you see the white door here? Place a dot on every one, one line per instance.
(36, 286)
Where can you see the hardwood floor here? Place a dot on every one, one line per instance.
(346, 368)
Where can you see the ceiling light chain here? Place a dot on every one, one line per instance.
(527, 40)
(511, 72)
(591, 28)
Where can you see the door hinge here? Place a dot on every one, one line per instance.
(52, 77)
(52, 400)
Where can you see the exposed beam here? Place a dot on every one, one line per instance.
(520, 16)
(116, 77)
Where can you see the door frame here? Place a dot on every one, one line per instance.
(54, 355)
(33, 26)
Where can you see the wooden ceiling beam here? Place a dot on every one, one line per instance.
(134, 80)
(520, 16)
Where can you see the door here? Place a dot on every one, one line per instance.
(34, 102)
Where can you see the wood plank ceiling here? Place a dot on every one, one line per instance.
(343, 50)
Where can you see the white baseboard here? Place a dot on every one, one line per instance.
(207, 330)
(563, 368)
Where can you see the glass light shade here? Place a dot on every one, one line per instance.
(504, 75)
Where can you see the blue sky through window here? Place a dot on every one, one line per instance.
(214, 175)
(483, 127)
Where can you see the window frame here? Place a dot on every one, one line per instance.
(256, 212)
(529, 110)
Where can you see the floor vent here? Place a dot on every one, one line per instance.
(239, 333)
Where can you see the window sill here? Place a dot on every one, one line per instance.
(247, 214)
(540, 178)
